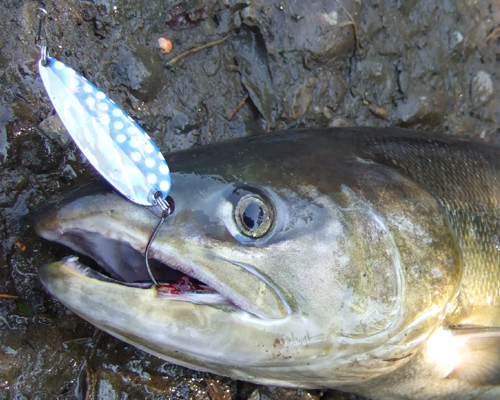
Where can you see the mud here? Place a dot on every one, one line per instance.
(423, 64)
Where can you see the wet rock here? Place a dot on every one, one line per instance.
(403, 81)
(323, 28)
(276, 393)
(456, 40)
(6, 116)
(379, 112)
(87, 10)
(55, 130)
(69, 173)
(181, 132)
(181, 124)
(303, 98)
(252, 59)
(186, 14)
(141, 71)
(226, 20)
(340, 122)
(31, 149)
(331, 93)
(421, 109)
(377, 80)
(481, 88)
(218, 390)
(337, 395)
(11, 182)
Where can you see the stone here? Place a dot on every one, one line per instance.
(481, 88)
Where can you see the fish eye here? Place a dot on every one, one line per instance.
(253, 215)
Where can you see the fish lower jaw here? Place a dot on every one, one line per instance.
(185, 289)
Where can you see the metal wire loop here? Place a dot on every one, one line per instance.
(44, 50)
(161, 202)
(44, 53)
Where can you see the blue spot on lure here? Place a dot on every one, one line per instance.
(112, 141)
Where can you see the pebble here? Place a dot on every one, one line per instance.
(421, 109)
(377, 80)
(340, 122)
(380, 112)
(11, 182)
(165, 45)
(54, 129)
(456, 38)
(322, 30)
(303, 98)
(481, 88)
(403, 81)
(6, 115)
(140, 71)
(29, 148)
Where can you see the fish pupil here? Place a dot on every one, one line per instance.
(253, 216)
(252, 212)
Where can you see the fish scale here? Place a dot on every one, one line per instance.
(471, 201)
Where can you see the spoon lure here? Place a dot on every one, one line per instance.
(112, 141)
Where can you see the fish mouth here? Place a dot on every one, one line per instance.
(185, 288)
(113, 234)
(120, 263)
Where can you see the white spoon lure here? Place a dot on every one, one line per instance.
(111, 140)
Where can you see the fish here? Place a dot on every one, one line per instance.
(362, 259)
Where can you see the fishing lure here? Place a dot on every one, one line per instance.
(111, 140)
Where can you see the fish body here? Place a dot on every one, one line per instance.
(355, 258)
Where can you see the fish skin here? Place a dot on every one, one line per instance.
(379, 275)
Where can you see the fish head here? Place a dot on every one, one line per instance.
(288, 260)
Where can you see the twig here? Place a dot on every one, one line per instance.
(493, 35)
(238, 107)
(204, 138)
(347, 23)
(90, 372)
(8, 296)
(174, 60)
(355, 27)
(183, 102)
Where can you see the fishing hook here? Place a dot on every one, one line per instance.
(167, 206)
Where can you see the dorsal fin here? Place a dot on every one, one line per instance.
(472, 353)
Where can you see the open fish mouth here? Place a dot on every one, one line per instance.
(173, 284)
(113, 232)
(185, 288)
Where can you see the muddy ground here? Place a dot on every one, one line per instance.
(429, 64)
